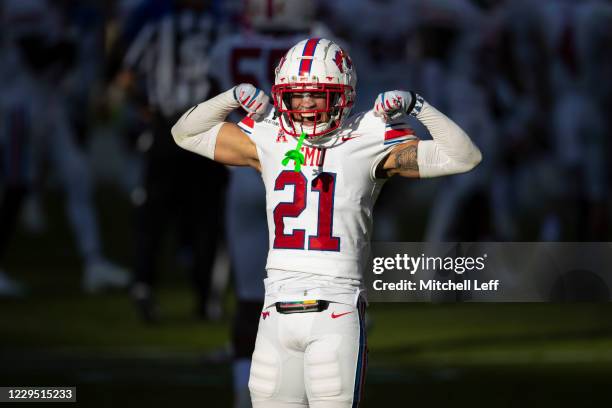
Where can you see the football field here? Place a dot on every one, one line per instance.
(510, 355)
(494, 355)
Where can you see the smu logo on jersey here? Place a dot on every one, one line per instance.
(313, 156)
(281, 137)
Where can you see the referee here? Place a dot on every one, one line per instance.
(164, 64)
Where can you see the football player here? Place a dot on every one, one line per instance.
(311, 342)
(35, 70)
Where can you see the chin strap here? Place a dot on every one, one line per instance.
(296, 155)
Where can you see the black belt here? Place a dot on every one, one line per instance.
(303, 306)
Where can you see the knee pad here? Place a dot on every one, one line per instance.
(323, 370)
(265, 370)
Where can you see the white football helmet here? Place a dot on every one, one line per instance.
(315, 66)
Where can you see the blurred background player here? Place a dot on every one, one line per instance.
(15, 145)
(268, 30)
(165, 48)
(37, 107)
(580, 41)
(442, 54)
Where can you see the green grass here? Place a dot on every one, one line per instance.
(511, 354)
(492, 333)
(99, 323)
(502, 355)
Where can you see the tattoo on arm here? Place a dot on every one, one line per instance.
(406, 158)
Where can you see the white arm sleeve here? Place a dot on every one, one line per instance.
(450, 152)
(198, 128)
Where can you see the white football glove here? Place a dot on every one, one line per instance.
(391, 105)
(253, 100)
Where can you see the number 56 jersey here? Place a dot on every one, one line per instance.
(320, 218)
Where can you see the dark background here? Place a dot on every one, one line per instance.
(529, 81)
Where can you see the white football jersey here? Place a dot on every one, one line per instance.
(320, 218)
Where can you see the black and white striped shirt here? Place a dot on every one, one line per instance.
(170, 55)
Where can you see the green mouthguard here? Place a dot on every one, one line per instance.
(296, 155)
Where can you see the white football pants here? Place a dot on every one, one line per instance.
(314, 359)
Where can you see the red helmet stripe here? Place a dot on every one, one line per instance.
(309, 50)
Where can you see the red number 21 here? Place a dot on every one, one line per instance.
(324, 184)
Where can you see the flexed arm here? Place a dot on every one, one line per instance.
(450, 152)
(203, 130)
